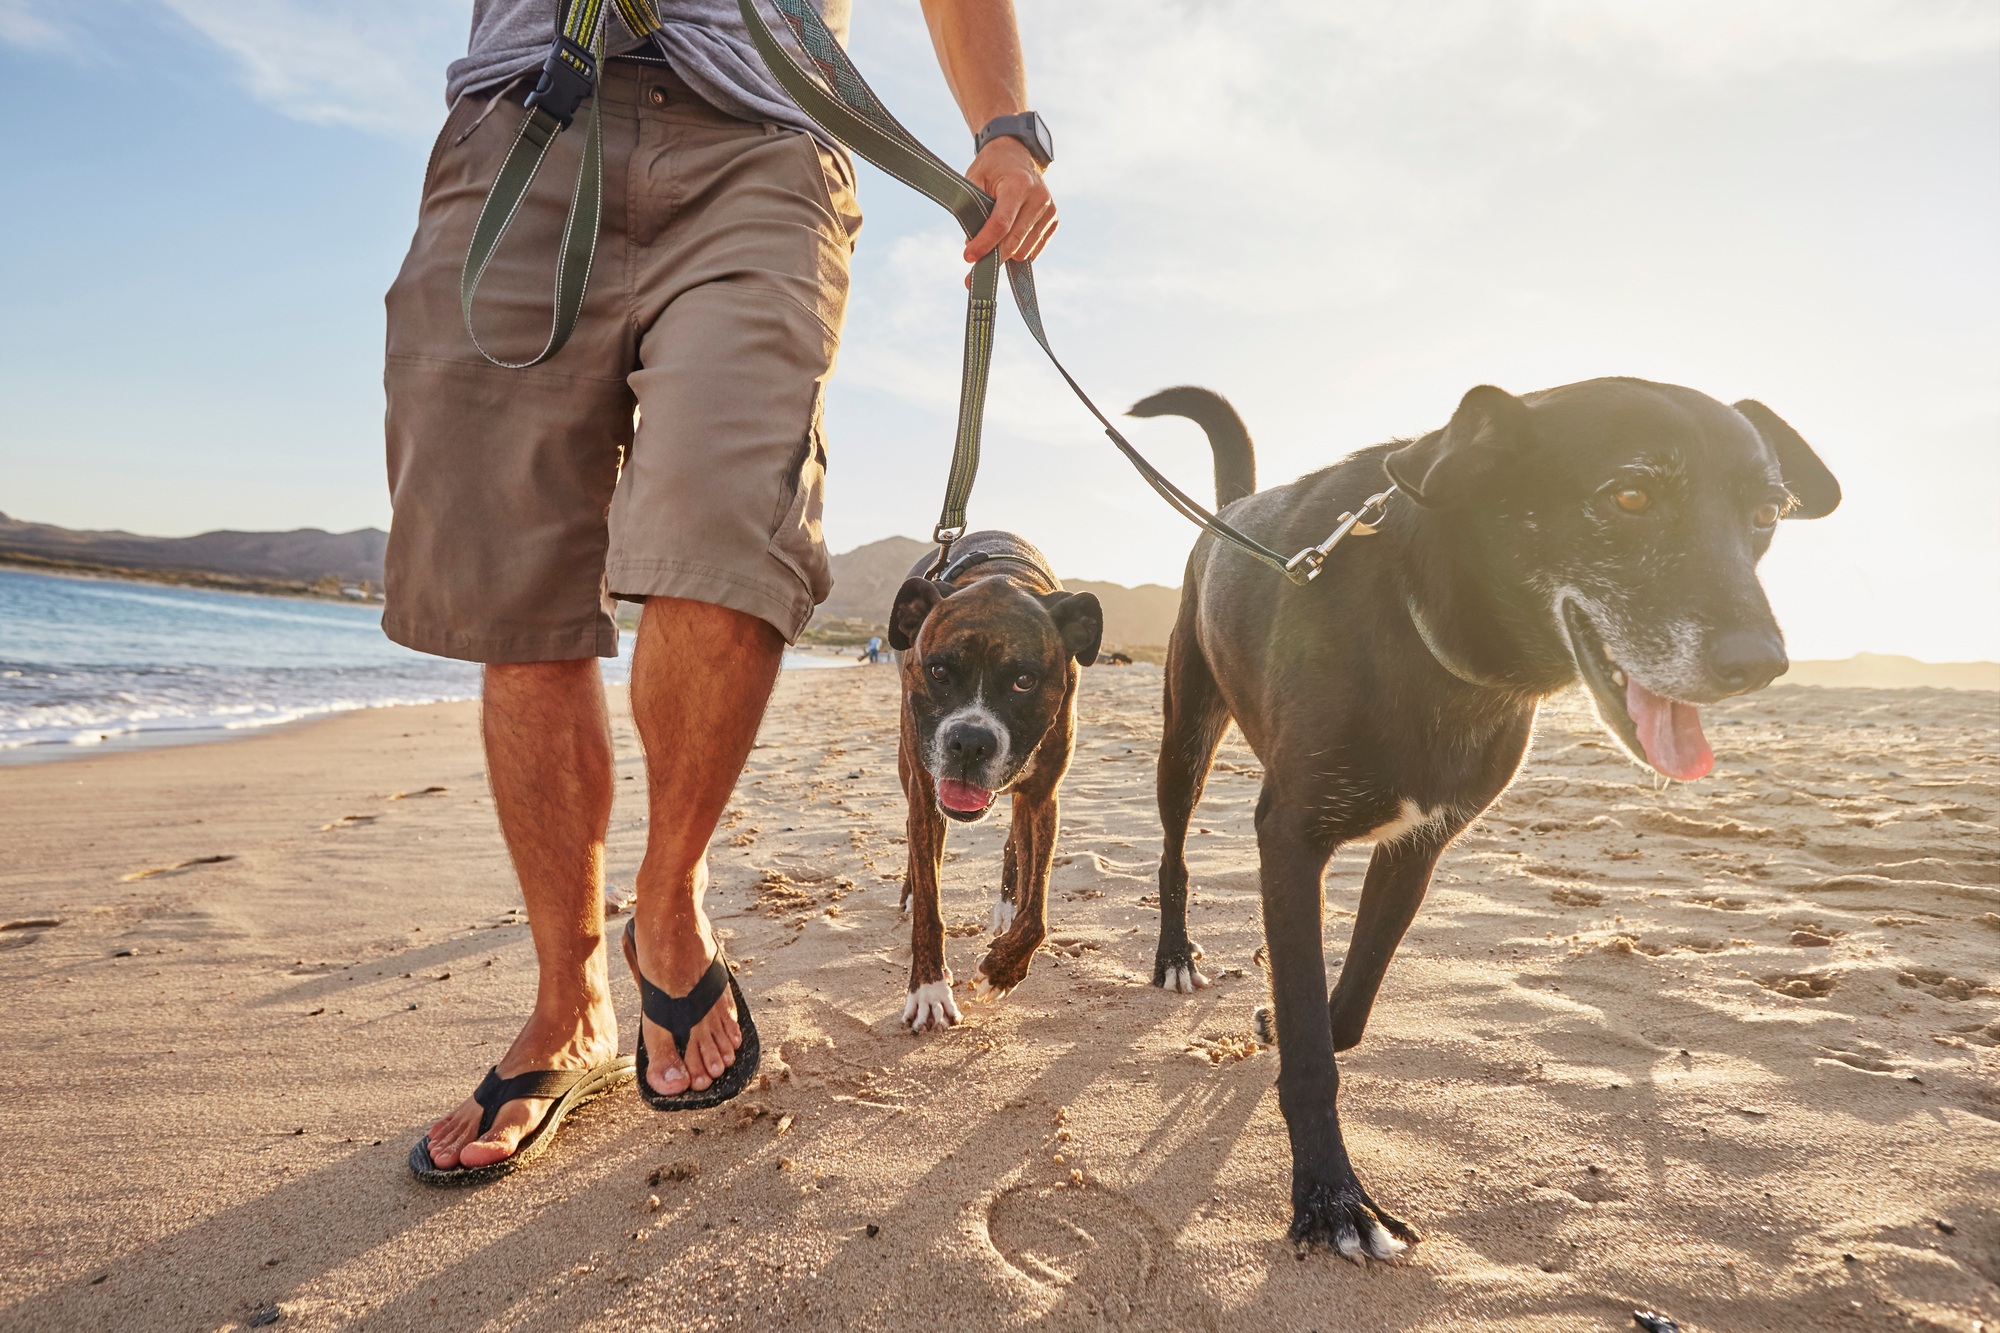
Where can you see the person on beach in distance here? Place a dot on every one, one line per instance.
(526, 500)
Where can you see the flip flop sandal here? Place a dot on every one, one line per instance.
(678, 1015)
(570, 1088)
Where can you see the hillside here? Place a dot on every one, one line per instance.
(865, 580)
(305, 555)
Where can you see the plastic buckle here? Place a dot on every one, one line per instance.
(568, 76)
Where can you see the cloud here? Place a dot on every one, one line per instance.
(375, 65)
(19, 26)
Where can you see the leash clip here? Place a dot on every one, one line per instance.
(568, 75)
(944, 537)
(1304, 567)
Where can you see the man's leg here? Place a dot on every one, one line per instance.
(548, 759)
(701, 675)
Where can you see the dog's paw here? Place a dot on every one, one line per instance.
(1343, 1216)
(1003, 914)
(986, 992)
(931, 1006)
(1175, 970)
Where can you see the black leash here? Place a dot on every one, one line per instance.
(836, 96)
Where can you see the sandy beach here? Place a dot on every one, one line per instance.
(1728, 1051)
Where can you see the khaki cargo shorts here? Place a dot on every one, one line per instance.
(527, 500)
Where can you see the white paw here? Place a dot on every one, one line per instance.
(931, 1006)
(986, 992)
(1185, 980)
(1382, 1245)
(1003, 915)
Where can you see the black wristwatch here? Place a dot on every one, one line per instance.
(1028, 128)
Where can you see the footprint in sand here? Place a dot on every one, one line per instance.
(1941, 984)
(1095, 1249)
(1800, 985)
(25, 931)
(180, 868)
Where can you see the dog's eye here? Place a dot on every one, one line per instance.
(1632, 500)
(1767, 515)
(936, 671)
(1026, 681)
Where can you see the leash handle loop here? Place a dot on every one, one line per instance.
(569, 75)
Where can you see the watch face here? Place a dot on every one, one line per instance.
(1043, 145)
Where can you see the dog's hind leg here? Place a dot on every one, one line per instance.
(1195, 719)
(1328, 1203)
(1398, 875)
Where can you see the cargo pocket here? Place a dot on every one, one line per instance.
(797, 543)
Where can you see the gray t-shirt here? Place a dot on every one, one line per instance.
(705, 42)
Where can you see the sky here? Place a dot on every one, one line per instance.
(1342, 214)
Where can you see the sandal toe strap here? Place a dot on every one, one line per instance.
(495, 1092)
(679, 1014)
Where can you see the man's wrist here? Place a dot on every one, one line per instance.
(1025, 128)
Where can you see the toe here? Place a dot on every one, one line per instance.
(667, 1075)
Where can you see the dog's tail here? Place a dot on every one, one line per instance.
(1235, 459)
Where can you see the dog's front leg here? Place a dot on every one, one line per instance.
(1328, 1202)
(1008, 905)
(1399, 873)
(1033, 836)
(929, 1003)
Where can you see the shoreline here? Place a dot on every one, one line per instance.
(196, 580)
(141, 739)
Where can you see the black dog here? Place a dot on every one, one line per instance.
(991, 647)
(1609, 529)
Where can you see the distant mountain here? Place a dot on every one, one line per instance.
(1888, 671)
(865, 579)
(305, 555)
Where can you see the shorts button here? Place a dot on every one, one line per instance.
(656, 95)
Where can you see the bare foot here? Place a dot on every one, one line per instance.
(566, 1041)
(674, 958)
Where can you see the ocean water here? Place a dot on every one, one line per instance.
(90, 662)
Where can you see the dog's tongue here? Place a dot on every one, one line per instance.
(1670, 731)
(965, 797)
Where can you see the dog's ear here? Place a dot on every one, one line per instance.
(1808, 479)
(914, 601)
(1080, 620)
(1444, 467)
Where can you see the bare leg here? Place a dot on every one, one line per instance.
(548, 760)
(701, 675)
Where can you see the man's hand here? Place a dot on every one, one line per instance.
(1024, 214)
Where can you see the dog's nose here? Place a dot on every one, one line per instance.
(971, 745)
(1742, 660)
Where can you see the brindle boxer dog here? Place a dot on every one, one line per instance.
(990, 652)
(1609, 530)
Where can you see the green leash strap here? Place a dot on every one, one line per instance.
(843, 104)
(568, 76)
